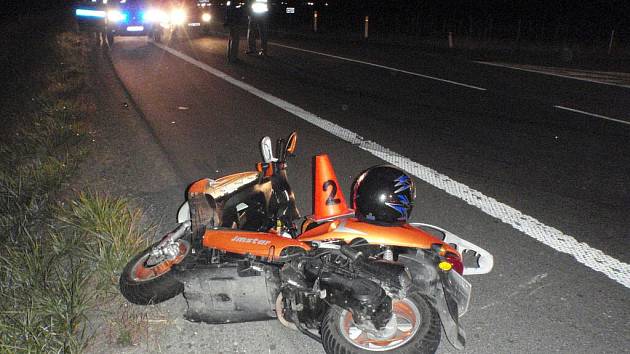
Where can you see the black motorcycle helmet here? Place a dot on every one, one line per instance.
(383, 195)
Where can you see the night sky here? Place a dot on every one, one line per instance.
(18, 8)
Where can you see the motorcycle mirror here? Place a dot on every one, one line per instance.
(291, 144)
(267, 150)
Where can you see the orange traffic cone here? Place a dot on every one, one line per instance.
(328, 200)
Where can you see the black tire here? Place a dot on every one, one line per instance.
(151, 291)
(424, 341)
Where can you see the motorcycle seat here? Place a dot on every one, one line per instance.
(228, 184)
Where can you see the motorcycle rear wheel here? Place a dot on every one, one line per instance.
(418, 330)
(145, 284)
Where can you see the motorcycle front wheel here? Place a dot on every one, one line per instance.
(143, 283)
(414, 328)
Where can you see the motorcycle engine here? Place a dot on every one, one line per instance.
(362, 286)
(367, 301)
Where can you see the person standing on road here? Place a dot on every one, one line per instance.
(258, 18)
(233, 14)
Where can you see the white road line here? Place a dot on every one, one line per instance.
(550, 74)
(550, 236)
(593, 115)
(380, 66)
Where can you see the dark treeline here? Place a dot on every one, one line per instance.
(560, 21)
(20, 8)
(535, 20)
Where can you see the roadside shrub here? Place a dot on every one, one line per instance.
(45, 296)
(49, 282)
(59, 262)
(110, 231)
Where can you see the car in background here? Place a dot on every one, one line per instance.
(186, 16)
(90, 15)
(200, 16)
(133, 18)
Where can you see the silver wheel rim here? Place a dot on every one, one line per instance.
(141, 264)
(407, 319)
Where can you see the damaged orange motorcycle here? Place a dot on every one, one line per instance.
(357, 280)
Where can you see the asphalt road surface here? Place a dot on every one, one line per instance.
(534, 168)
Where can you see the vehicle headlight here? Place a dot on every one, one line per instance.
(259, 7)
(155, 15)
(206, 17)
(178, 17)
(116, 16)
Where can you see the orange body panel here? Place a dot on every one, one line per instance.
(199, 186)
(350, 229)
(260, 244)
(268, 172)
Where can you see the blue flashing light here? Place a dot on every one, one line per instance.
(89, 13)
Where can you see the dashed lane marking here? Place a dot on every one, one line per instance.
(593, 115)
(598, 77)
(548, 235)
(573, 74)
(379, 66)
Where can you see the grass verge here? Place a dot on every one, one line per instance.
(59, 261)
